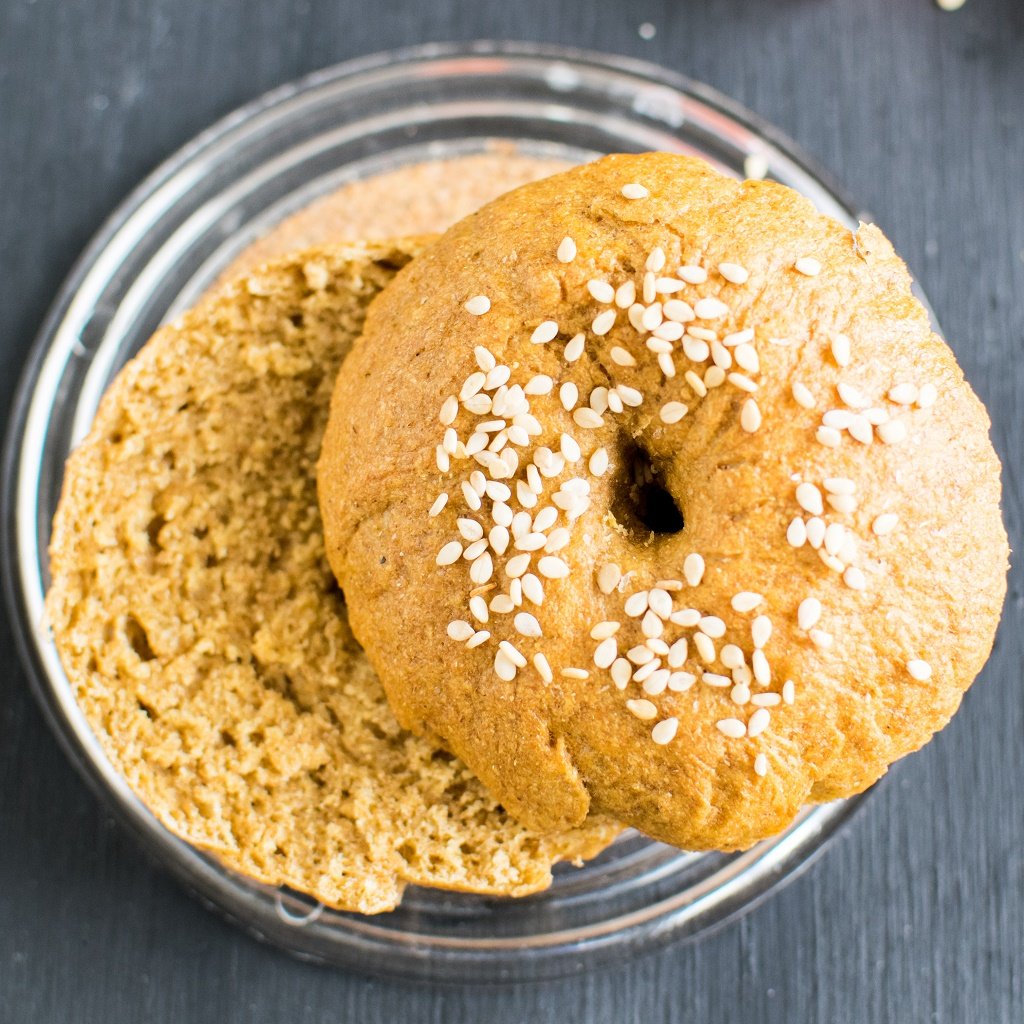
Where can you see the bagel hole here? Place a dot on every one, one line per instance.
(642, 504)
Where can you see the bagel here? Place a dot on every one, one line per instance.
(204, 636)
(652, 493)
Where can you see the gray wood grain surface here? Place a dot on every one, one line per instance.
(917, 911)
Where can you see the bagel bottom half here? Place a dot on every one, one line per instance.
(205, 637)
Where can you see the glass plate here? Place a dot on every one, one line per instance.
(166, 243)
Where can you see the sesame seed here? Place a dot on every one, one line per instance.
(720, 355)
(835, 563)
(651, 316)
(660, 602)
(808, 266)
(680, 682)
(696, 350)
(839, 485)
(668, 285)
(517, 565)
(470, 529)
(643, 709)
(574, 348)
(761, 765)
(808, 613)
(759, 721)
(566, 251)
(541, 384)
(695, 382)
(478, 305)
(605, 629)
(796, 533)
(750, 416)
(531, 542)
(553, 567)
(854, 578)
(502, 604)
(665, 731)
(621, 357)
(602, 291)
(693, 274)
(603, 322)
(651, 625)
(686, 617)
(710, 308)
(732, 656)
(575, 673)
(636, 604)
(821, 639)
(802, 395)
(765, 700)
(678, 653)
(655, 260)
(587, 418)
(927, 396)
(672, 412)
(484, 358)
(815, 531)
(630, 396)
(558, 540)
(705, 647)
(478, 638)
(608, 577)
(478, 606)
(731, 727)
(851, 396)
(512, 653)
(544, 332)
(460, 630)
(474, 550)
(449, 410)
(838, 419)
(733, 273)
(716, 680)
(482, 568)
(540, 663)
(919, 670)
(860, 430)
(625, 295)
(789, 691)
(533, 591)
(693, 569)
(621, 672)
(450, 553)
(884, 524)
(527, 624)
(635, 191)
(669, 585)
(747, 359)
(668, 330)
(606, 652)
(439, 503)
(835, 534)
(479, 405)
(471, 497)
(809, 498)
(742, 381)
(841, 349)
(876, 417)
(598, 464)
(761, 632)
(503, 667)
(903, 394)
(829, 437)
(745, 601)
(892, 432)
(641, 654)
(712, 626)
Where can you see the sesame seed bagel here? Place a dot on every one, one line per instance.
(205, 637)
(653, 493)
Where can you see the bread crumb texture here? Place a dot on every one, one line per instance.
(721, 533)
(206, 639)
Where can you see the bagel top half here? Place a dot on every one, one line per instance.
(653, 493)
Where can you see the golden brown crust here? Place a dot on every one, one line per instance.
(934, 585)
(202, 630)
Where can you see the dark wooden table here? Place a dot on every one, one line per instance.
(916, 913)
